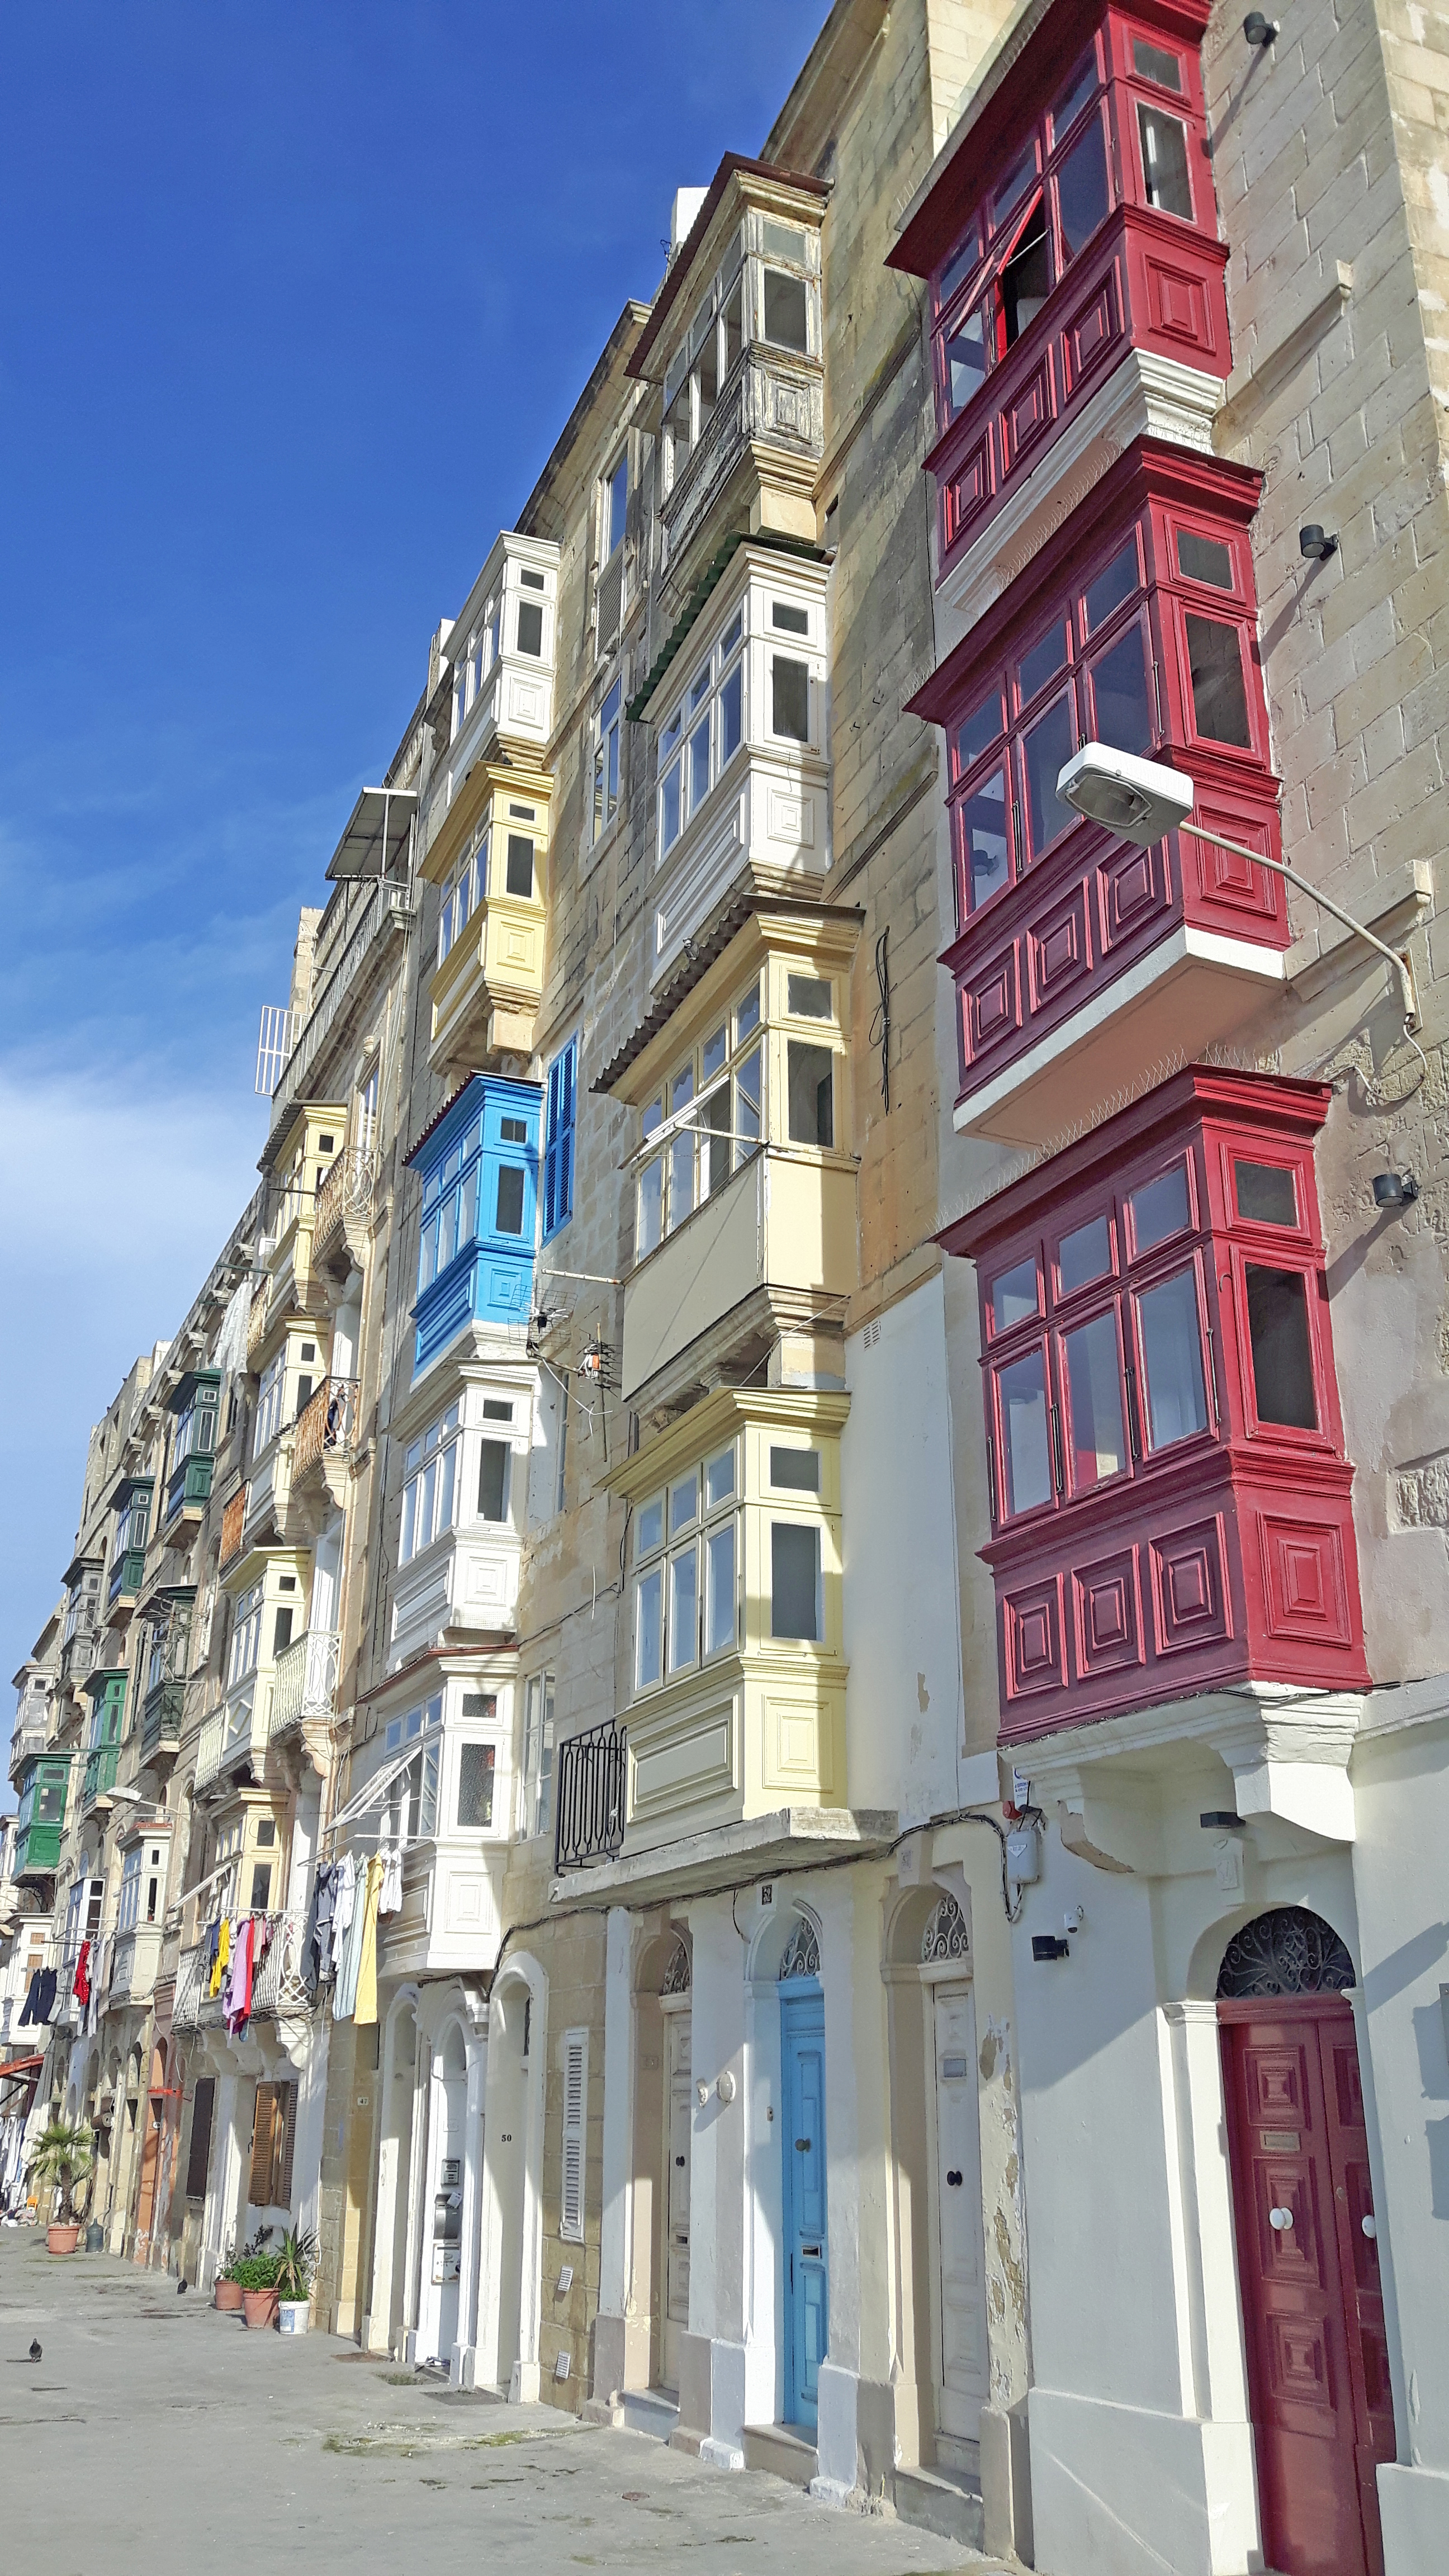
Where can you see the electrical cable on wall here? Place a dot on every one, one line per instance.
(880, 1027)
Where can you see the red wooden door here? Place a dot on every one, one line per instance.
(1309, 2278)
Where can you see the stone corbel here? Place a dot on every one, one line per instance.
(1289, 1756)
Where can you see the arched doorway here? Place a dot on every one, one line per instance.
(392, 2309)
(153, 2112)
(1308, 2264)
(677, 2129)
(958, 2319)
(805, 2323)
(512, 2244)
(440, 2218)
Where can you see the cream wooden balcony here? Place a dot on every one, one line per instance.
(134, 1964)
(489, 860)
(773, 1250)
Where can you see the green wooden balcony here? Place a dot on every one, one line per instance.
(37, 1850)
(126, 1575)
(188, 1488)
(99, 1777)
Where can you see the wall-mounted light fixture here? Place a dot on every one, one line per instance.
(1395, 1189)
(1049, 1945)
(1258, 29)
(1315, 544)
(1221, 1820)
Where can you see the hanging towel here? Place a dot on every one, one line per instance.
(365, 2003)
(81, 1985)
(237, 1993)
(220, 1955)
(345, 1992)
(343, 1900)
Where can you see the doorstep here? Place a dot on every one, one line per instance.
(782, 2451)
(944, 2501)
(650, 2410)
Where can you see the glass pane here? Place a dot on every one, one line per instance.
(1026, 278)
(785, 310)
(699, 764)
(959, 266)
(1042, 662)
(1160, 1208)
(731, 726)
(520, 864)
(964, 352)
(978, 731)
(493, 1480)
(1014, 1296)
(683, 1610)
(475, 1787)
(812, 1094)
(1047, 749)
(1085, 1254)
(1155, 63)
(1076, 97)
(1083, 196)
(1219, 700)
(699, 687)
(651, 1206)
(986, 852)
(1204, 559)
(1026, 1462)
(747, 1105)
(681, 1089)
(1119, 695)
(681, 1177)
(747, 1014)
(797, 1470)
(649, 1628)
(669, 808)
(1111, 587)
(713, 1052)
(719, 1478)
(794, 1581)
(510, 1201)
(683, 1503)
(790, 699)
(714, 1146)
(1094, 1400)
(1164, 162)
(787, 619)
(1172, 1357)
(807, 997)
(649, 1529)
(783, 241)
(1282, 1346)
(1266, 1194)
(530, 627)
(1015, 184)
(719, 1607)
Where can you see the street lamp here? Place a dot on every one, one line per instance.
(1143, 799)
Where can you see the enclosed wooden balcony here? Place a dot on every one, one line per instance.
(488, 856)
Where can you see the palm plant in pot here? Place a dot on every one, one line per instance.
(64, 2155)
(296, 2271)
(257, 2274)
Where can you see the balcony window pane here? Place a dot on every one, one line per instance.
(649, 1628)
(1075, 97)
(649, 1531)
(987, 852)
(796, 1470)
(713, 1052)
(1282, 1347)
(784, 241)
(1164, 162)
(493, 1480)
(510, 1200)
(1219, 700)
(1119, 695)
(1014, 1296)
(651, 1207)
(1204, 559)
(1083, 196)
(1026, 278)
(748, 1099)
(1084, 1254)
(714, 1146)
(731, 720)
(1155, 63)
(734, 323)
(1160, 1208)
(475, 1787)
(785, 310)
(616, 503)
(1094, 1398)
(812, 1094)
(447, 1232)
(747, 1014)
(1172, 1357)
(789, 699)
(699, 764)
(807, 997)
(1015, 184)
(794, 1581)
(959, 266)
(1266, 1194)
(719, 1479)
(719, 1607)
(683, 1504)
(669, 808)
(1026, 1461)
(681, 1177)
(519, 876)
(1047, 749)
(530, 627)
(1042, 661)
(965, 356)
(684, 1610)
(978, 731)
(699, 686)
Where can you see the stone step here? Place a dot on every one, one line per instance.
(782, 2450)
(650, 2410)
(944, 2501)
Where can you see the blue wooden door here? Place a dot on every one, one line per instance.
(802, 2057)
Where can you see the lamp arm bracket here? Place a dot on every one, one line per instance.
(1398, 958)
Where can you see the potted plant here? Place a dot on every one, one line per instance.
(228, 2292)
(257, 2274)
(63, 2157)
(296, 2269)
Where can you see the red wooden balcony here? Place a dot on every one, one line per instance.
(1169, 1493)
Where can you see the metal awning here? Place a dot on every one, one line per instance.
(377, 835)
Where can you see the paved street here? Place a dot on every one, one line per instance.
(153, 2430)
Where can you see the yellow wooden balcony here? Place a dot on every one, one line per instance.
(488, 858)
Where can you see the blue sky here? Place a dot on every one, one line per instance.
(295, 299)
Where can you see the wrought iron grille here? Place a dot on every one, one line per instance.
(945, 1935)
(591, 1787)
(676, 1979)
(802, 1952)
(1289, 1951)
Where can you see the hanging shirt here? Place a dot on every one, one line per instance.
(343, 1901)
(365, 2001)
(390, 1898)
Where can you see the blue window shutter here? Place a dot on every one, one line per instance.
(558, 1140)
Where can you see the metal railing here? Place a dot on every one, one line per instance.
(388, 901)
(277, 1985)
(347, 1192)
(326, 1425)
(304, 1679)
(591, 1775)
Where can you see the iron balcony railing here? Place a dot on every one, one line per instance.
(346, 1192)
(304, 1679)
(277, 1986)
(591, 1794)
(326, 1425)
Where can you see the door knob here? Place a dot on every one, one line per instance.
(953, 2179)
(1369, 2224)
(803, 2145)
(1281, 2219)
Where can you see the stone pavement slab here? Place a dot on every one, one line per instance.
(154, 2434)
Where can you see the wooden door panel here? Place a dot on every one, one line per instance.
(958, 2200)
(1359, 2254)
(805, 2286)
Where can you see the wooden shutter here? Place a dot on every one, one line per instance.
(264, 2146)
(286, 2144)
(198, 2156)
(576, 2094)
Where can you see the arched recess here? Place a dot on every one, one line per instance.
(512, 2216)
(151, 2115)
(663, 2156)
(438, 2210)
(389, 2307)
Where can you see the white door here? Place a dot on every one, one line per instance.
(676, 2194)
(958, 2200)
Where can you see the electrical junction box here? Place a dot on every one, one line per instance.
(1023, 1855)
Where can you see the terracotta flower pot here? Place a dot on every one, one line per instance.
(259, 2307)
(229, 2294)
(62, 2239)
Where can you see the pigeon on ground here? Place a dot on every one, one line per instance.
(35, 2348)
(181, 2289)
